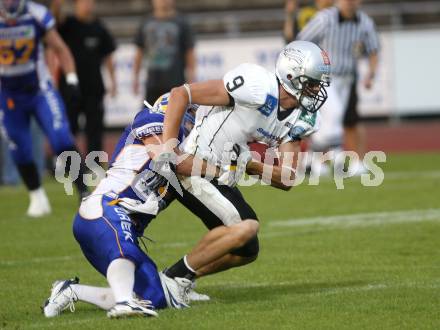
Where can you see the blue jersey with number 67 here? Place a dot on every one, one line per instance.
(22, 63)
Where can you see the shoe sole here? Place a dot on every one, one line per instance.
(122, 315)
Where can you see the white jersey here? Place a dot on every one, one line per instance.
(255, 116)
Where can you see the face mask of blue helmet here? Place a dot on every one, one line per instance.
(11, 9)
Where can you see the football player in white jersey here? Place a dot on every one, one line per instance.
(250, 104)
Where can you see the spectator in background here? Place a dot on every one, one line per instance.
(347, 34)
(168, 43)
(92, 46)
(297, 19)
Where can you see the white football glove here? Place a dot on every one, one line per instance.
(232, 173)
(150, 206)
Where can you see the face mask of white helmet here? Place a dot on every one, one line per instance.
(303, 69)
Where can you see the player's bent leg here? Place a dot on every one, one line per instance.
(224, 263)
(220, 207)
(236, 258)
(65, 293)
(101, 297)
(222, 240)
(214, 254)
(225, 212)
(118, 257)
(121, 277)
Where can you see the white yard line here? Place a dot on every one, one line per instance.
(59, 323)
(362, 219)
(411, 175)
(37, 260)
(326, 290)
(350, 220)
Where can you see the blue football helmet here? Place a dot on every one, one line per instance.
(189, 118)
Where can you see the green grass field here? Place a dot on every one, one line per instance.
(358, 258)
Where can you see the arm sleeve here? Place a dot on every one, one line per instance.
(371, 38)
(314, 30)
(248, 85)
(43, 16)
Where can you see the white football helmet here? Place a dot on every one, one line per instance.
(303, 69)
(11, 9)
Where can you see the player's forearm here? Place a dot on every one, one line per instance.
(280, 177)
(63, 53)
(193, 166)
(66, 61)
(177, 103)
(373, 60)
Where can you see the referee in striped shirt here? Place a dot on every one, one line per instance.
(347, 34)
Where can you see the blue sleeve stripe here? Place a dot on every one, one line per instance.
(48, 21)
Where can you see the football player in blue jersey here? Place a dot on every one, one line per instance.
(111, 221)
(26, 90)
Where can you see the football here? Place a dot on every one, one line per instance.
(262, 152)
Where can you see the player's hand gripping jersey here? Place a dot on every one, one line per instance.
(22, 63)
(253, 116)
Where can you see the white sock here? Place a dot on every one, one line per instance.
(101, 297)
(120, 276)
(38, 194)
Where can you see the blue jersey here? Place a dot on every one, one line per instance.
(22, 62)
(131, 158)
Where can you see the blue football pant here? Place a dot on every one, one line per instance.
(113, 236)
(9, 173)
(48, 109)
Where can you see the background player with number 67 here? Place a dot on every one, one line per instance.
(26, 90)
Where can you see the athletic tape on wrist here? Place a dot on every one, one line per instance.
(188, 91)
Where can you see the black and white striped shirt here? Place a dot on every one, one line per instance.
(344, 40)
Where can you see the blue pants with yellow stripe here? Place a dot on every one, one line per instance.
(113, 236)
(47, 107)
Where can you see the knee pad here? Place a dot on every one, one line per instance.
(250, 249)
